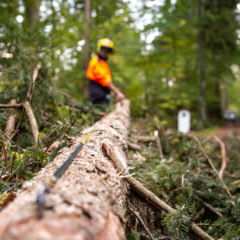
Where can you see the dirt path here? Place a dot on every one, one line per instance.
(230, 129)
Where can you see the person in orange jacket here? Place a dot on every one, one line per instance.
(99, 75)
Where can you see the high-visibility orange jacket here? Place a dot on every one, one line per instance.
(99, 71)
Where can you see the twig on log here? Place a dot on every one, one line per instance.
(224, 157)
(113, 153)
(11, 122)
(159, 145)
(32, 120)
(141, 221)
(212, 165)
(134, 147)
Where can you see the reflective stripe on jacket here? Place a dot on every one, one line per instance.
(99, 71)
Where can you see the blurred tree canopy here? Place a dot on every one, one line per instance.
(159, 76)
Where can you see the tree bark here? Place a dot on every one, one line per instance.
(159, 145)
(87, 202)
(202, 65)
(86, 48)
(32, 120)
(11, 105)
(224, 97)
(34, 78)
(11, 122)
(145, 139)
(32, 11)
(86, 36)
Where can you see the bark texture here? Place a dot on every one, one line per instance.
(11, 122)
(32, 11)
(86, 36)
(87, 202)
(32, 120)
(202, 65)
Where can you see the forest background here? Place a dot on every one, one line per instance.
(168, 54)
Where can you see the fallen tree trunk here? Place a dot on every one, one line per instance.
(87, 202)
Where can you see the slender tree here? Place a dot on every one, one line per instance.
(86, 36)
(202, 65)
(32, 11)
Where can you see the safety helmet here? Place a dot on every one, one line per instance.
(105, 42)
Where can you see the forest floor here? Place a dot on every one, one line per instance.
(185, 180)
(183, 177)
(230, 129)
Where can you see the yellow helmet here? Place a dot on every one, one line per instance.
(105, 42)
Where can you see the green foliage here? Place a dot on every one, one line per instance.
(183, 177)
(178, 224)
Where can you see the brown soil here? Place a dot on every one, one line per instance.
(230, 129)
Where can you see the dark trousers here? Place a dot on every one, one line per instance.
(97, 93)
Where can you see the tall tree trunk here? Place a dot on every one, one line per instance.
(224, 97)
(217, 110)
(32, 11)
(86, 36)
(87, 202)
(202, 65)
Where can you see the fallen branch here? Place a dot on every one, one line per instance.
(155, 139)
(209, 206)
(159, 145)
(19, 123)
(115, 154)
(11, 105)
(9, 131)
(134, 147)
(32, 120)
(142, 222)
(11, 122)
(212, 165)
(74, 100)
(34, 78)
(224, 157)
(145, 139)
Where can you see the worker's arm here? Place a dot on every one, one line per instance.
(119, 95)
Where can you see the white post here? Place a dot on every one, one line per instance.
(184, 121)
